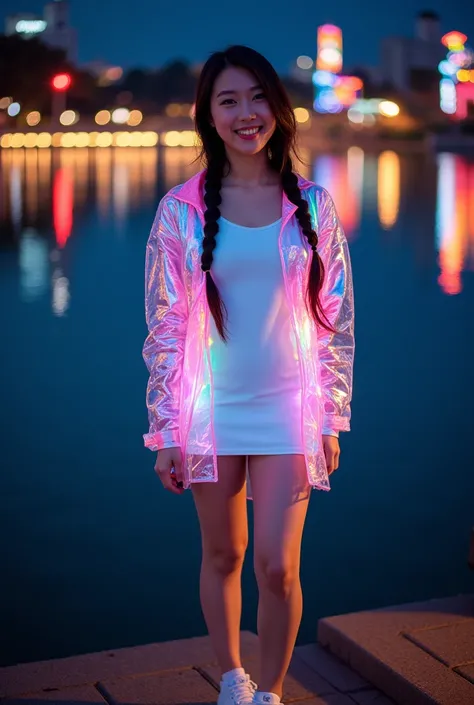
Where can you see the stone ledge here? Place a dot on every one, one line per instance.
(373, 644)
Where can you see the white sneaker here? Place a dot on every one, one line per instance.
(261, 698)
(237, 690)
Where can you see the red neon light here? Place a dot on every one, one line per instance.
(61, 82)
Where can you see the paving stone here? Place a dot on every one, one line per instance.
(81, 694)
(452, 644)
(466, 671)
(179, 687)
(89, 668)
(371, 697)
(332, 669)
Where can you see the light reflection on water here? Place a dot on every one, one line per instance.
(39, 187)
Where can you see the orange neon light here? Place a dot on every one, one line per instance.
(454, 40)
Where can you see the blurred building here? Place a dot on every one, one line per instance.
(53, 27)
(411, 63)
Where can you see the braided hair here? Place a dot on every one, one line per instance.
(289, 182)
(213, 199)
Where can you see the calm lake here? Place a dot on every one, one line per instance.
(94, 553)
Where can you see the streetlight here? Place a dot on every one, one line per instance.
(60, 84)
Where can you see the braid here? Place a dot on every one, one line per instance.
(213, 199)
(289, 182)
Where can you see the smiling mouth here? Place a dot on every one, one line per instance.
(249, 131)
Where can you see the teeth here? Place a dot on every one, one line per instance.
(248, 132)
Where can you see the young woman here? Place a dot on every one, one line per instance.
(249, 306)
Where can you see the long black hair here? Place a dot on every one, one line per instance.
(279, 149)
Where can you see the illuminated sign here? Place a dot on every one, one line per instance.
(30, 26)
(456, 89)
(329, 57)
(454, 41)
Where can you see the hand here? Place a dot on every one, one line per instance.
(332, 452)
(169, 468)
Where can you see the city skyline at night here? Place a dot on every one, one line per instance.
(155, 35)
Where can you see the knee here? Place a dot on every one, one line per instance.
(225, 560)
(277, 576)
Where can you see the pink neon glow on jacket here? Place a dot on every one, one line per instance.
(177, 349)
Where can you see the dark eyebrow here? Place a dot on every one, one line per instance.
(254, 88)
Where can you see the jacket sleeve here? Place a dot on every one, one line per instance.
(166, 313)
(335, 350)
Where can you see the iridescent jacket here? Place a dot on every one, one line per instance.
(177, 349)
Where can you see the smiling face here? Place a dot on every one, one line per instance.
(240, 112)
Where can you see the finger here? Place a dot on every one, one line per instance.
(167, 479)
(170, 483)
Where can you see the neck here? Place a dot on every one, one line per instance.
(250, 171)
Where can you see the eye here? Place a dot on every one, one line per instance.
(226, 101)
(260, 95)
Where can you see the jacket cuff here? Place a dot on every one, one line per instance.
(165, 439)
(332, 424)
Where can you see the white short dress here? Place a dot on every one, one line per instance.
(257, 387)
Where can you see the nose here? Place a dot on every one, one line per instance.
(247, 112)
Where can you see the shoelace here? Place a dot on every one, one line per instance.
(242, 689)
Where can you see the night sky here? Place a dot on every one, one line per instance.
(149, 33)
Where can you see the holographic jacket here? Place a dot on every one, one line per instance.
(179, 393)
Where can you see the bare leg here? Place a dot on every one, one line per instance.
(222, 512)
(281, 495)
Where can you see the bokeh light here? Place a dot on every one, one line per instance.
(61, 82)
(103, 117)
(171, 139)
(355, 116)
(388, 108)
(304, 62)
(120, 116)
(185, 138)
(13, 109)
(135, 118)
(104, 139)
(68, 117)
(68, 139)
(150, 139)
(173, 110)
(31, 139)
(56, 139)
(121, 139)
(114, 73)
(301, 115)
(18, 140)
(33, 118)
(5, 102)
(44, 140)
(82, 139)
